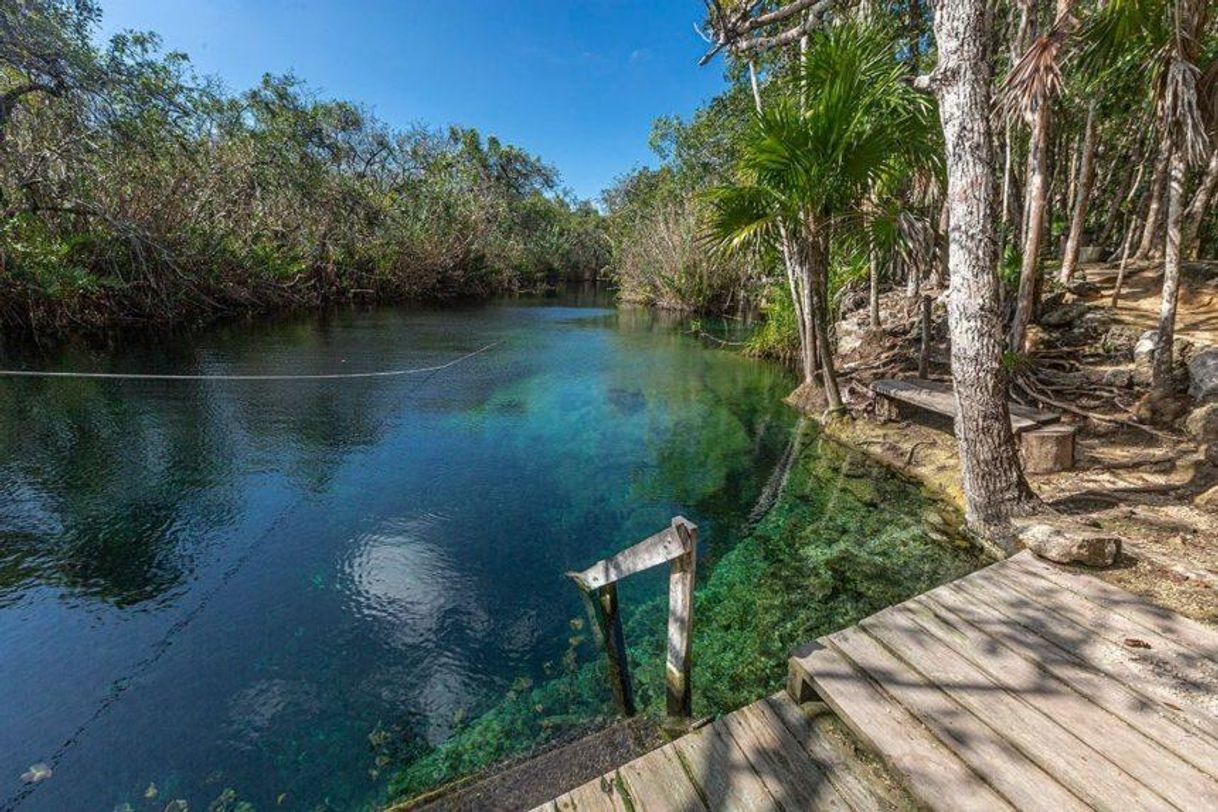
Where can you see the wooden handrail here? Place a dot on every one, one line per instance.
(676, 545)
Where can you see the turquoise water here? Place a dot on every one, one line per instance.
(284, 593)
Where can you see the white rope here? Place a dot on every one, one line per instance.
(148, 376)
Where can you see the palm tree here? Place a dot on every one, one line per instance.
(840, 130)
(1163, 39)
(1028, 92)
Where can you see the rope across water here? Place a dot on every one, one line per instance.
(156, 376)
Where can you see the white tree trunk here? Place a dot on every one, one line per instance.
(1161, 382)
(1155, 210)
(1034, 225)
(994, 486)
(1086, 178)
(1202, 201)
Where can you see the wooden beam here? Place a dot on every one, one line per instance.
(656, 549)
(606, 619)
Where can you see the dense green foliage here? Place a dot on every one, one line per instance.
(655, 220)
(133, 190)
(845, 539)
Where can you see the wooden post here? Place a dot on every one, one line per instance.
(680, 624)
(924, 354)
(606, 620)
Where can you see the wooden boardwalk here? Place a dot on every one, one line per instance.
(1020, 686)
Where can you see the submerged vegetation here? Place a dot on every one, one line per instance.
(133, 190)
(845, 539)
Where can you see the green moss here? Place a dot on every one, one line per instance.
(845, 539)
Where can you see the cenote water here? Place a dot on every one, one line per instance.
(323, 594)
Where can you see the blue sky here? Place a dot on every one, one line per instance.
(576, 82)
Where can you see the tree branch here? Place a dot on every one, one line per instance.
(732, 32)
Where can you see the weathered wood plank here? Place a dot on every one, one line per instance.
(937, 397)
(974, 742)
(657, 783)
(1142, 757)
(1166, 725)
(1185, 631)
(934, 774)
(598, 795)
(656, 549)
(720, 770)
(549, 806)
(785, 769)
(1110, 657)
(855, 782)
(1192, 677)
(1075, 765)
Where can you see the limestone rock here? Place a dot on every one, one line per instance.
(1070, 544)
(849, 336)
(1203, 374)
(1202, 423)
(1144, 349)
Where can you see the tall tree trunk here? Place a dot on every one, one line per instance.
(1086, 176)
(798, 282)
(818, 300)
(1195, 215)
(1034, 224)
(1161, 374)
(994, 486)
(873, 298)
(939, 246)
(1154, 211)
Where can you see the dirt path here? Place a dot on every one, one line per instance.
(1197, 310)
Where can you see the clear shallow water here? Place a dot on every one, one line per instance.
(285, 589)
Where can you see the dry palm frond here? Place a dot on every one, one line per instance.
(1036, 78)
(1179, 107)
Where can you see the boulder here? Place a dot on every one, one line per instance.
(1064, 315)
(1144, 349)
(1070, 544)
(1203, 374)
(849, 336)
(1202, 423)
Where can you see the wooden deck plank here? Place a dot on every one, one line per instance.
(1188, 679)
(720, 770)
(785, 769)
(938, 397)
(961, 730)
(1141, 757)
(855, 782)
(657, 783)
(1184, 631)
(598, 795)
(1166, 725)
(933, 773)
(1074, 764)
